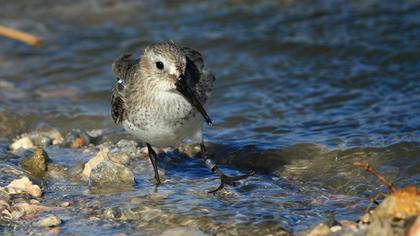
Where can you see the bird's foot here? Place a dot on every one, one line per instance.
(229, 180)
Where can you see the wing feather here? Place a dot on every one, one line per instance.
(198, 77)
(123, 68)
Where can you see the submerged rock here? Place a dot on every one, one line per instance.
(49, 221)
(24, 185)
(110, 174)
(37, 164)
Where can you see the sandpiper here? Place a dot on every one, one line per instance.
(159, 99)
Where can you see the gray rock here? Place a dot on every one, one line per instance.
(110, 174)
(130, 147)
(49, 221)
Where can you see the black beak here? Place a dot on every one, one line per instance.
(188, 93)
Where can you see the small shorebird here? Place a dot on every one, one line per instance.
(159, 99)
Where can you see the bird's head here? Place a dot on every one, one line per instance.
(163, 64)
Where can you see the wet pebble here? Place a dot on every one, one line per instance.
(65, 204)
(30, 209)
(49, 221)
(5, 214)
(22, 143)
(93, 162)
(110, 174)
(24, 185)
(39, 138)
(77, 138)
(16, 215)
(37, 163)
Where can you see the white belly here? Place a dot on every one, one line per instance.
(163, 135)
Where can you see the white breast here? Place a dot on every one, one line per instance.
(171, 121)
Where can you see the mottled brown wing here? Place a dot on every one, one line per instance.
(117, 106)
(123, 68)
(198, 77)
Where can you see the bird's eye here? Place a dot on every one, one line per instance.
(159, 65)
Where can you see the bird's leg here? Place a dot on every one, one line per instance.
(152, 156)
(224, 179)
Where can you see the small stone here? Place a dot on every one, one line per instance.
(46, 141)
(24, 143)
(24, 185)
(335, 228)
(6, 214)
(4, 204)
(36, 164)
(110, 174)
(29, 209)
(55, 135)
(77, 138)
(65, 204)
(320, 230)
(49, 221)
(16, 215)
(34, 202)
(92, 163)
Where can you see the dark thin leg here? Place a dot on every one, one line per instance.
(224, 179)
(152, 156)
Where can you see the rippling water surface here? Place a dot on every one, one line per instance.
(304, 88)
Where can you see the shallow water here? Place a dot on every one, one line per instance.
(303, 90)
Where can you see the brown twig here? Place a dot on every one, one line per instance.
(366, 167)
(20, 36)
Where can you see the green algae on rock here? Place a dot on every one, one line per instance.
(37, 164)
